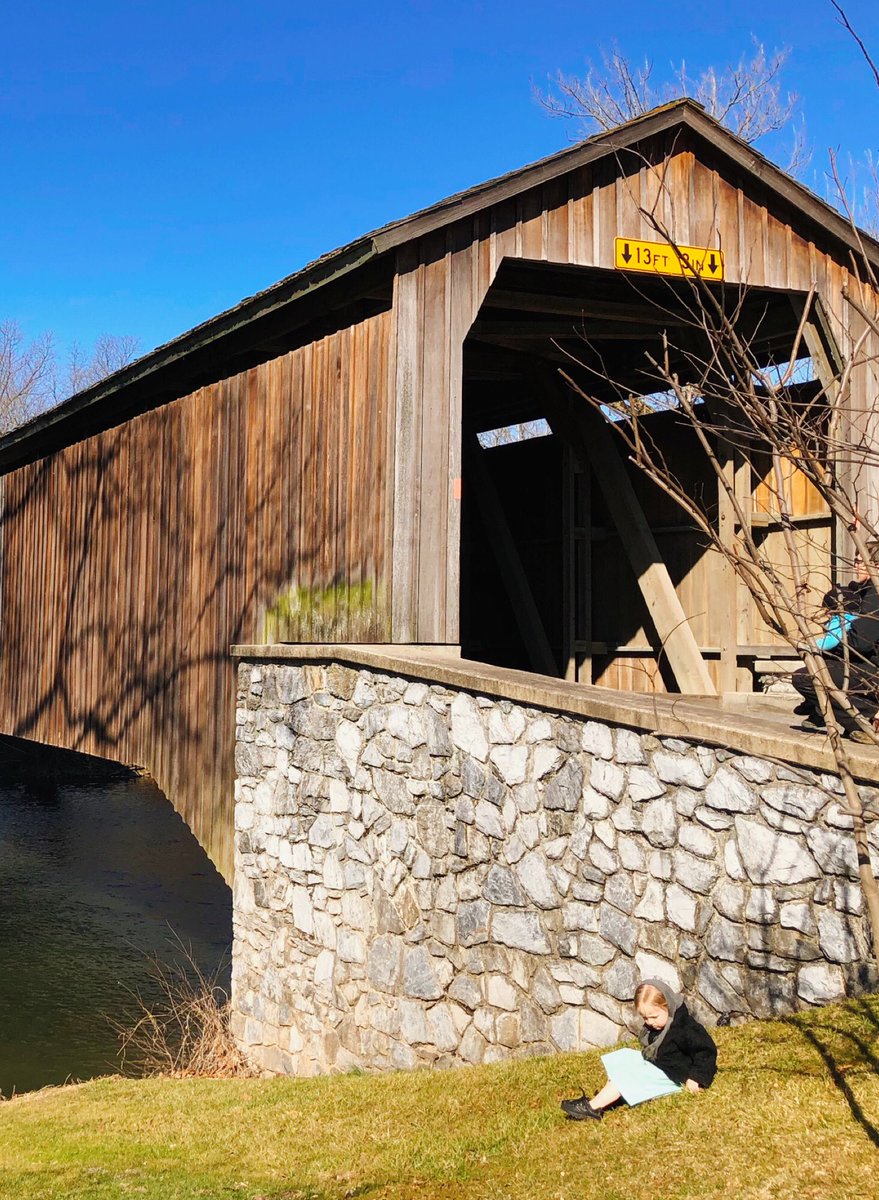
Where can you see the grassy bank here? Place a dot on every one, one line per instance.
(794, 1113)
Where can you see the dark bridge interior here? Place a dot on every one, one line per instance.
(546, 583)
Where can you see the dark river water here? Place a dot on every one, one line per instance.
(97, 877)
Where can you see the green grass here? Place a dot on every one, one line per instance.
(794, 1114)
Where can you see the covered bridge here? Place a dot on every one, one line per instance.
(306, 467)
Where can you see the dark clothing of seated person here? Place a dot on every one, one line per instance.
(850, 648)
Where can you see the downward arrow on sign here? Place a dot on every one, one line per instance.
(626, 255)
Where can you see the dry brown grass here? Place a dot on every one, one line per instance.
(185, 1034)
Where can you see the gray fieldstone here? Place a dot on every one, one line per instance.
(597, 740)
(797, 915)
(762, 907)
(819, 983)
(532, 872)
(545, 760)
(323, 832)
(428, 877)
(619, 892)
(615, 1010)
(439, 744)
(643, 784)
(837, 937)
(678, 769)
(488, 820)
(717, 992)
(698, 841)
(594, 805)
(712, 818)
(467, 991)
(681, 907)
(430, 824)
(695, 873)
(773, 857)
(626, 819)
(686, 801)
(598, 1030)
(607, 778)
(565, 789)
(441, 1029)
(660, 864)
(539, 730)
(468, 730)
(726, 940)
(502, 888)
(795, 800)
(627, 747)
(651, 906)
(729, 900)
(510, 763)
(595, 950)
(606, 833)
(472, 922)
(755, 770)
(579, 916)
(834, 851)
(621, 979)
(728, 792)
(659, 824)
(500, 993)
(619, 929)
(505, 728)
(650, 966)
(419, 975)
(631, 854)
(522, 931)
(604, 860)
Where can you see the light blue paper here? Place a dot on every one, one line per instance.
(636, 1078)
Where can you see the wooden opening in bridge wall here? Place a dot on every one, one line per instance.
(572, 563)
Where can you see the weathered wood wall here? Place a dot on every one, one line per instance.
(133, 560)
(443, 278)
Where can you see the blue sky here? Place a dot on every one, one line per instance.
(162, 161)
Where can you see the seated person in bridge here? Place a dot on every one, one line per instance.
(850, 648)
(677, 1052)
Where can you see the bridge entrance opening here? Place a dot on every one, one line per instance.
(571, 559)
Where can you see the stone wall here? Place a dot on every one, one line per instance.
(424, 875)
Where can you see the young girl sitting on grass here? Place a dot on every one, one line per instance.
(676, 1051)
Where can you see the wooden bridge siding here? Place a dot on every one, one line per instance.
(442, 281)
(131, 561)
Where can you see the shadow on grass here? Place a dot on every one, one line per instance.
(837, 1071)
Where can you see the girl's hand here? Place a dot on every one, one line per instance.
(692, 1086)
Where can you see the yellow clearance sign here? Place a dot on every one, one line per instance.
(659, 258)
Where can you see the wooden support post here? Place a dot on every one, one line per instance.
(507, 557)
(577, 573)
(745, 633)
(727, 602)
(828, 363)
(592, 439)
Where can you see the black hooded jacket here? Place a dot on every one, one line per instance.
(687, 1051)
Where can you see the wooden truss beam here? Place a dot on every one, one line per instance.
(594, 443)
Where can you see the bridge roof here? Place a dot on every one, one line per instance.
(214, 348)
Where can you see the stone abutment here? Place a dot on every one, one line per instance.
(425, 874)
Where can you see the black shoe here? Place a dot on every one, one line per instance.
(804, 709)
(581, 1110)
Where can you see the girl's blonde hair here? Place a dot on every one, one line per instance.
(646, 993)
